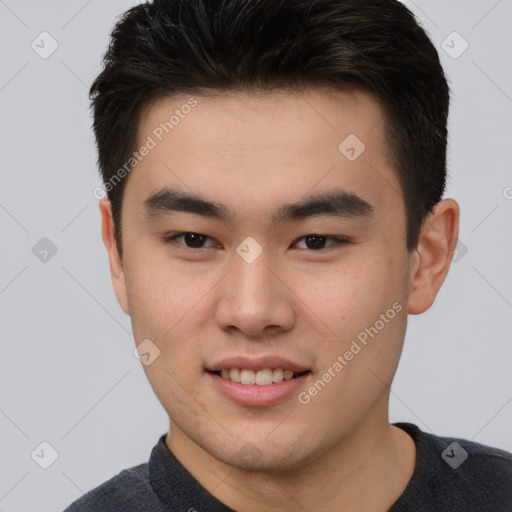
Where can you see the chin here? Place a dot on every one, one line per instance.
(261, 456)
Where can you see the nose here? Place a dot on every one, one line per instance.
(255, 299)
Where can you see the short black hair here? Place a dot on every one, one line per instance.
(167, 47)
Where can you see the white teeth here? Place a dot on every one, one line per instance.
(264, 377)
(261, 378)
(247, 377)
(234, 375)
(278, 375)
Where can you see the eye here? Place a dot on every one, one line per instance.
(190, 240)
(318, 242)
(313, 242)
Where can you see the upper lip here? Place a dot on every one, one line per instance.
(255, 364)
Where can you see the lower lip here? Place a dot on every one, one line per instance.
(257, 396)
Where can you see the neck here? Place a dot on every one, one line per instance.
(367, 470)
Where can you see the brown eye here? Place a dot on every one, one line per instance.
(316, 242)
(190, 240)
(194, 240)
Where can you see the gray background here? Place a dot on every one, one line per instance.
(68, 375)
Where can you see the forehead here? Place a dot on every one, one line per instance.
(267, 147)
(225, 118)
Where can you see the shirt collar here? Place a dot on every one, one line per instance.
(175, 486)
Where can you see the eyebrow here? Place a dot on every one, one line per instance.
(337, 203)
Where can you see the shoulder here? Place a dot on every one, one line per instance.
(473, 457)
(458, 474)
(129, 490)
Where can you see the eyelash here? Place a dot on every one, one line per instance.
(170, 239)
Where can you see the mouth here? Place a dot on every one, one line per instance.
(264, 377)
(261, 382)
(257, 382)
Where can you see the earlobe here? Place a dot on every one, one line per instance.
(116, 263)
(432, 257)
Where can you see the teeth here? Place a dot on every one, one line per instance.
(260, 378)
(278, 375)
(234, 375)
(264, 377)
(247, 377)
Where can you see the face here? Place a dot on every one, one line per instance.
(293, 260)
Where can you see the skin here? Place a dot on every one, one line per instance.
(254, 153)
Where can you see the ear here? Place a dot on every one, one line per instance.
(430, 261)
(116, 264)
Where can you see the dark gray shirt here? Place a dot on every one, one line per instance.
(452, 475)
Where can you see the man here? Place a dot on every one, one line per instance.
(275, 172)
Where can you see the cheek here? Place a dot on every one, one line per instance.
(355, 294)
(161, 297)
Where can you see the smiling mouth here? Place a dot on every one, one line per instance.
(264, 377)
